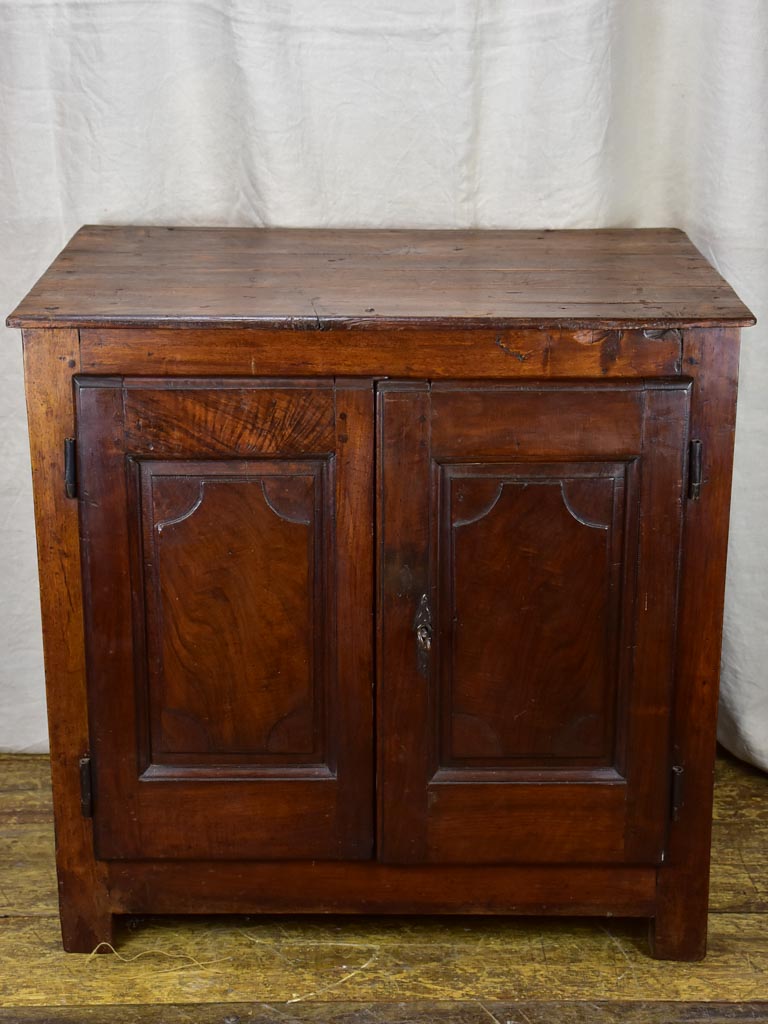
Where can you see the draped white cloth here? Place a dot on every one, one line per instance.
(420, 113)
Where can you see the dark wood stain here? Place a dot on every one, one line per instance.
(713, 360)
(529, 645)
(539, 690)
(233, 675)
(313, 279)
(434, 351)
(220, 673)
(383, 590)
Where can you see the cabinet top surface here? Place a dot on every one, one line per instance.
(319, 278)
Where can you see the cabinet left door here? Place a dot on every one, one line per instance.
(226, 536)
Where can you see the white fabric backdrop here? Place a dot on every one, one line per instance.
(420, 113)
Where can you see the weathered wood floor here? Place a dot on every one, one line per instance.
(379, 970)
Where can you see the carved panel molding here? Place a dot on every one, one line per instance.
(233, 588)
(534, 576)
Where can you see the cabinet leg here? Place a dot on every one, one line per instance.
(679, 930)
(84, 927)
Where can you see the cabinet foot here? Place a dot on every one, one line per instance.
(679, 930)
(83, 929)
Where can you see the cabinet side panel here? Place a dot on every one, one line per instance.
(50, 360)
(711, 359)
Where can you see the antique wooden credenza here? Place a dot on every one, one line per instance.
(382, 571)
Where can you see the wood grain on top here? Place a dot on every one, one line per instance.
(317, 279)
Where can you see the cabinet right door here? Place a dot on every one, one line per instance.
(529, 540)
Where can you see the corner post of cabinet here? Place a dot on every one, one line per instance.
(679, 930)
(51, 358)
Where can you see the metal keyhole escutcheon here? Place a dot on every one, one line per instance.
(424, 637)
(422, 625)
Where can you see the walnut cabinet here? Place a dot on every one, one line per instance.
(382, 571)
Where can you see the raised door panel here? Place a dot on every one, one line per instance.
(226, 535)
(529, 579)
(235, 593)
(530, 590)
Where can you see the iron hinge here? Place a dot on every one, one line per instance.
(676, 803)
(70, 467)
(86, 787)
(695, 470)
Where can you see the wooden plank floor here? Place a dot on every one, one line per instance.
(380, 970)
